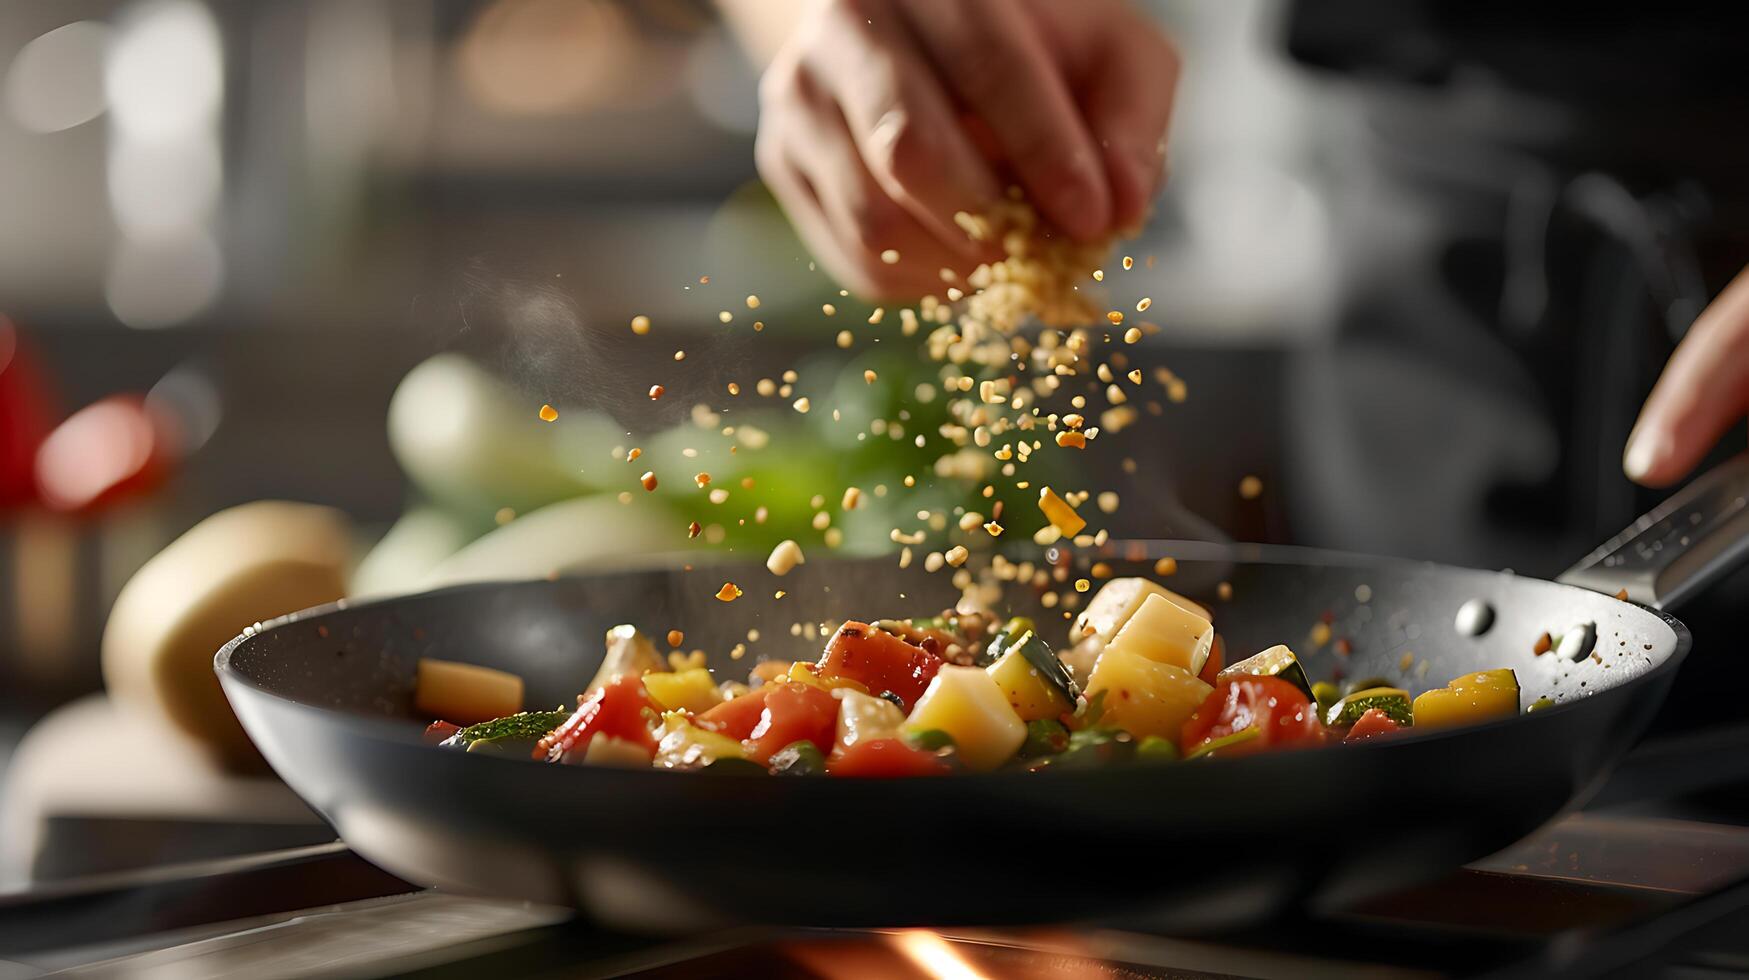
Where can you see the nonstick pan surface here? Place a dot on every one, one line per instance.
(327, 695)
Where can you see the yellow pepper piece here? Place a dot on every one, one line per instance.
(692, 690)
(1469, 699)
(1059, 513)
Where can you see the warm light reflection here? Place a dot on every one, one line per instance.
(55, 81)
(164, 72)
(541, 57)
(935, 956)
(95, 450)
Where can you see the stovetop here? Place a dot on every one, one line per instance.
(1651, 880)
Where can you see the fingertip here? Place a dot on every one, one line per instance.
(1080, 206)
(1651, 457)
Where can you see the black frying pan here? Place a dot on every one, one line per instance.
(326, 694)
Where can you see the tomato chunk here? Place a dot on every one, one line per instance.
(794, 713)
(621, 709)
(884, 758)
(1279, 711)
(439, 730)
(736, 717)
(1373, 722)
(879, 661)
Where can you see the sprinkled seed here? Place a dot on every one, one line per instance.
(890, 256)
(680, 355)
(869, 376)
(625, 496)
(1059, 513)
(852, 498)
(1129, 263)
(1070, 439)
(828, 309)
(994, 529)
(504, 516)
(879, 313)
(1224, 591)
(640, 325)
(702, 479)
(905, 557)
(704, 280)
(1082, 585)
(1132, 335)
(765, 387)
(786, 556)
(1135, 376)
(1250, 488)
(725, 316)
(675, 638)
(746, 483)
(822, 520)
(802, 405)
(634, 454)
(693, 529)
(760, 514)
(1115, 316)
(719, 495)
(932, 562)
(910, 481)
(1101, 570)
(758, 325)
(956, 555)
(1143, 304)
(791, 377)
(1115, 395)
(845, 339)
(729, 592)
(752, 302)
(1103, 373)
(1098, 275)
(1108, 502)
(548, 413)
(648, 480)
(656, 392)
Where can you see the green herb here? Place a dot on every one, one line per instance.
(1046, 736)
(1092, 712)
(526, 724)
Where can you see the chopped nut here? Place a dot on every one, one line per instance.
(640, 325)
(1143, 304)
(648, 480)
(702, 479)
(828, 309)
(718, 496)
(1250, 488)
(752, 302)
(994, 529)
(786, 556)
(1129, 263)
(1166, 566)
(1115, 316)
(725, 316)
(957, 555)
(729, 592)
(1070, 439)
(890, 256)
(852, 498)
(1082, 585)
(734, 389)
(802, 405)
(693, 529)
(869, 377)
(676, 638)
(1059, 513)
(656, 392)
(1132, 335)
(548, 413)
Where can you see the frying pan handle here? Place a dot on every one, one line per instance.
(1683, 545)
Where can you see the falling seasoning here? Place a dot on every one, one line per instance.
(890, 256)
(1250, 488)
(1059, 513)
(729, 592)
(702, 479)
(752, 302)
(693, 529)
(869, 376)
(785, 557)
(656, 392)
(648, 480)
(675, 638)
(640, 325)
(634, 454)
(680, 355)
(549, 414)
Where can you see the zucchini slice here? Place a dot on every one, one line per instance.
(1213, 746)
(1018, 634)
(1277, 661)
(1392, 701)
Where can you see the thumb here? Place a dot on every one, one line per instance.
(1703, 391)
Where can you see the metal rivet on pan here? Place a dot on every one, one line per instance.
(1475, 618)
(1577, 642)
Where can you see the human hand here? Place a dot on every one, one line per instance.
(1703, 391)
(882, 119)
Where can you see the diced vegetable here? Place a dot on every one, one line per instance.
(628, 652)
(685, 746)
(1393, 701)
(1119, 599)
(523, 724)
(736, 718)
(798, 759)
(605, 750)
(1044, 737)
(1143, 696)
(1277, 661)
(1028, 691)
(1371, 723)
(966, 703)
(879, 661)
(1157, 749)
(1217, 662)
(803, 672)
(620, 709)
(885, 758)
(930, 740)
(1004, 638)
(1242, 742)
(438, 732)
(862, 718)
(685, 690)
(1469, 699)
(1540, 703)
(1281, 713)
(1059, 513)
(1326, 694)
(1165, 633)
(465, 693)
(1092, 748)
(794, 712)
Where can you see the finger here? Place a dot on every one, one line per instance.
(903, 122)
(868, 225)
(1703, 391)
(1128, 100)
(998, 66)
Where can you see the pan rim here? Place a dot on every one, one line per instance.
(391, 731)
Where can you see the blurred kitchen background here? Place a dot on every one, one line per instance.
(233, 237)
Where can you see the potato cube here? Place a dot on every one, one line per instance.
(1117, 600)
(966, 703)
(1145, 697)
(686, 690)
(1028, 693)
(1163, 631)
(465, 693)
